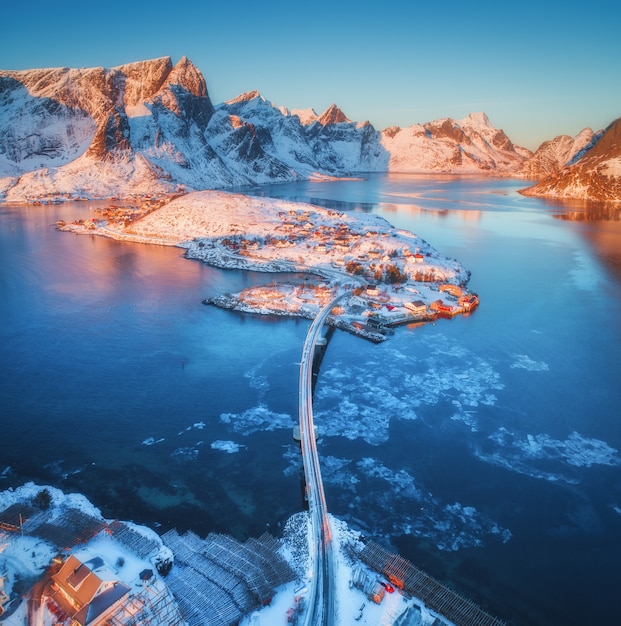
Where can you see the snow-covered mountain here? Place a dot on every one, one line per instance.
(592, 173)
(150, 127)
(302, 141)
(98, 132)
(551, 156)
(445, 145)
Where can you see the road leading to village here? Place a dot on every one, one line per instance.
(321, 609)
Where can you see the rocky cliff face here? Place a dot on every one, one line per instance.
(106, 96)
(150, 127)
(593, 173)
(301, 142)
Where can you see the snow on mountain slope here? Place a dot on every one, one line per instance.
(594, 176)
(306, 116)
(345, 146)
(470, 145)
(329, 144)
(151, 126)
(140, 126)
(255, 137)
(39, 131)
(551, 156)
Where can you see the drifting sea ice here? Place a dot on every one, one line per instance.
(359, 401)
(522, 361)
(227, 446)
(526, 454)
(372, 485)
(186, 454)
(255, 419)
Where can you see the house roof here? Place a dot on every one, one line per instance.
(82, 585)
(101, 603)
(146, 574)
(77, 580)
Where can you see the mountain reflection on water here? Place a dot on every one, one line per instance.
(602, 230)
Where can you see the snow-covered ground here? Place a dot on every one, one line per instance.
(25, 558)
(353, 604)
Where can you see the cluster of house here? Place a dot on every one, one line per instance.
(89, 593)
(457, 302)
(360, 253)
(373, 257)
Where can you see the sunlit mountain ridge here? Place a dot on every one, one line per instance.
(150, 127)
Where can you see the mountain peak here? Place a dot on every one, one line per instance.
(332, 115)
(245, 97)
(479, 120)
(187, 75)
(152, 122)
(306, 116)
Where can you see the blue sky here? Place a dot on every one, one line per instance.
(538, 69)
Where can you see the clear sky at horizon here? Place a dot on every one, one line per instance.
(537, 69)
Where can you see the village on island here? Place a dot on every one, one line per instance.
(393, 277)
(62, 563)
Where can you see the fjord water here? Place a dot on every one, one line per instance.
(486, 449)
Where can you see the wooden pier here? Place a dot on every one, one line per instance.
(435, 595)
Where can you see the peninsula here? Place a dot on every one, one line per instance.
(393, 276)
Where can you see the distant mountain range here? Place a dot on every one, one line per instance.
(150, 127)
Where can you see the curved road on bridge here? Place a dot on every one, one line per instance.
(321, 610)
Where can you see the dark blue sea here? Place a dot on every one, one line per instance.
(486, 449)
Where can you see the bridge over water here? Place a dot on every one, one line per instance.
(322, 603)
(322, 595)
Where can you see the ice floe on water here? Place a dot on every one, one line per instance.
(382, 492)
(227, 446)
(258, 418)
(585, 452)
(150, 441)
(522, 361)
(187, 454)
(358, 420)
(59, 469)
(194, 426)
(542, 456)
(358, 401)
(258, 381)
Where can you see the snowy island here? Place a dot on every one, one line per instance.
(393, 276)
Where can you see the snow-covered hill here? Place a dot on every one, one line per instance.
(150, 127)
